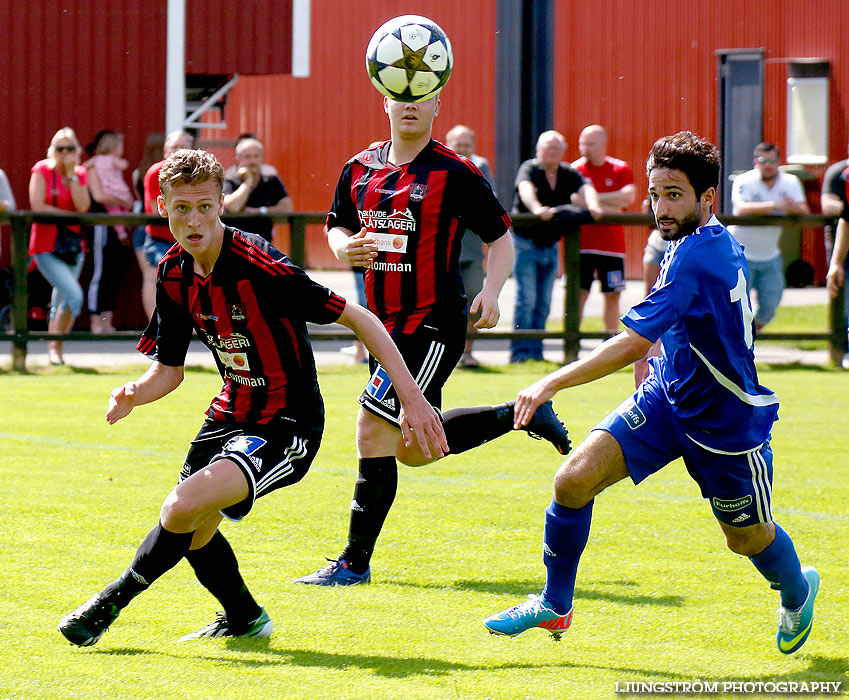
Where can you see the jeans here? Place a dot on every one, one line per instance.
(767, 279)
(155, 249)
(534, 270)
(64, 278)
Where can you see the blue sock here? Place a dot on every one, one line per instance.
(566, 533)
(779, 564)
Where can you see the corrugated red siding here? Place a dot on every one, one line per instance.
(251, 37)
(648, 69)
(89, 65)
(641, 69)
(100, 64)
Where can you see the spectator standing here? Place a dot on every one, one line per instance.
(603, 245)
(762, 191)
(153, 153)
(254, 191)
(839, 263)
(652, 253)
(7, 197)
(544, 187)
(834, 203)
(110, 193)
(461, 140)
(158, 239)
(60, 184)
(833, 194)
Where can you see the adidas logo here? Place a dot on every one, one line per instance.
(740, 518)
(356, 506)
(547, 550)
(173, 273)
(389, 403)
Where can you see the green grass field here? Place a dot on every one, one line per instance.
(659, 597)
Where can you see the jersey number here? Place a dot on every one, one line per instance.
(741, 294)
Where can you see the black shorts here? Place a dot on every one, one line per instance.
(270, 455)
(430, 355)
(610, 269)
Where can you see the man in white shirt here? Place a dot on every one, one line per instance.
(762, 191)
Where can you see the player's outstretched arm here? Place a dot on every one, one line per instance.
(355, 249)
(499, 262)
(152, 385)
(613, 354)
(419, 418)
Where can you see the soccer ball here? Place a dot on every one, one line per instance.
(409, 59)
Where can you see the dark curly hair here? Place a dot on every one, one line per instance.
(696, 157)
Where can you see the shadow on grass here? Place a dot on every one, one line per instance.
(481, 369)
(521, 588)
(817, 668)
(83, 370)
(404, 667)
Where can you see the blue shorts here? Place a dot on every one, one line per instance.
(738, 485)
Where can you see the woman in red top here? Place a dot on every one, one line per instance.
(60, 184)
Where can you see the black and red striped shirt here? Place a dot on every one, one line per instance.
(251, 312)
(417, 212)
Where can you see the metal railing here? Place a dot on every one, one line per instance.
(570, 336)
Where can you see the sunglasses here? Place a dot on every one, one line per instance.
(771, 161)
(64, 149)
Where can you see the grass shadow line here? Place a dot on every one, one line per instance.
(522, 588)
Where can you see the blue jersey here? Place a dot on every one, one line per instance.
(699, 308)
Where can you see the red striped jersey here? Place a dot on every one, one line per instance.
(417, 213)
(251, 311)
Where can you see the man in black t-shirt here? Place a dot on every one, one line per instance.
(400, 210)
(544, 187)
(254, 189)
(249, 305)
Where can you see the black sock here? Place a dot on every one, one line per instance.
(159, 552)
(374, 494)
(467, 428)
(217, 570)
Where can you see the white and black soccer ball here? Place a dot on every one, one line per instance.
(409, 58)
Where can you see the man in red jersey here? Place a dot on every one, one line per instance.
(249, 305)
(603, 246)
(400, 210)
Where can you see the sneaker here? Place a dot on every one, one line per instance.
(532, 613)
(794, 626)
(261, 627)
(336, 573)
(88, 622)
(545, 425)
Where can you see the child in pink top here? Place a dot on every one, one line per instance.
(109, 186)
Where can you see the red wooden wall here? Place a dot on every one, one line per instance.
(100, 64)
(642, 69)
(311, 126)
(648, 69)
